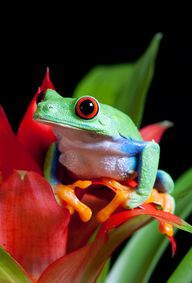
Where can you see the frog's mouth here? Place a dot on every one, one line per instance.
(67, 130)
(60, 129)
(56, 124)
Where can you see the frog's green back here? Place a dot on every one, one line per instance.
(122, 123)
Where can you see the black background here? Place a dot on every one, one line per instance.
(169, 96)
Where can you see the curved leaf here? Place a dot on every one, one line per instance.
(84, 265)
(183, 273)
(133, 263)
(10, 271)
(183, 194)
(150, 241)
(123, 86)
(103, 275)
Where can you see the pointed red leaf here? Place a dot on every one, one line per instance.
(84, 264)
(34, 136)
(12, 154)
(47, 83)
(146, 209)
(173, 245)
(155, 131)
(33, 226)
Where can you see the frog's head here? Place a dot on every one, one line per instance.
(85, 113)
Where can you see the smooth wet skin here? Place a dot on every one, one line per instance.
(97, 141)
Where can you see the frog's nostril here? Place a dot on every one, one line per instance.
(47, 108)
(40, 97)
(50, 106)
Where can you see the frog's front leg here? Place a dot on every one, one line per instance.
(65, 194)
(147, 154)
(148, 177)
(148, 159)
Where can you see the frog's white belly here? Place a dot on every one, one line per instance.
(89, 155)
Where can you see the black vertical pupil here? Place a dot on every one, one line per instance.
(87, 107)
(40, 97)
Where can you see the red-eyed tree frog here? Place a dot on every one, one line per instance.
(96, 141)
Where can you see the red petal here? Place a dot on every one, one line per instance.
(12, 154)
(33, 226)
(155, 131)
(34, 136)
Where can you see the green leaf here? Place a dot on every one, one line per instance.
(10, 271)
(123, 86)
(183, 194)
(183, 273)
(103, 275)
(137, 258)
(141, 254)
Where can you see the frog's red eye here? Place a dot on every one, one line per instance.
(87, 107)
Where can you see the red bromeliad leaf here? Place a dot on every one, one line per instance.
(33, 226)
(46, 83)
(146, 209)
(69, 268)
(13, 154)
(155, 131)
(34, 136)
(84, 264)
(162, 216)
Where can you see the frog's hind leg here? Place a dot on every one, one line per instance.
(163, 182)
(66, 195)
(167, 203)
(160, 195)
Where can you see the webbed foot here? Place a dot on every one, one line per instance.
(66, 194)
(167, 204)
(122, 194)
